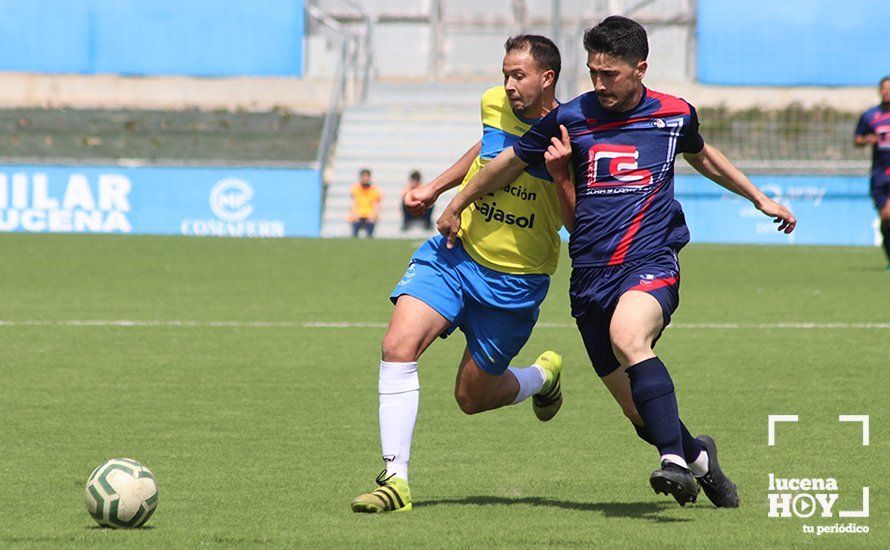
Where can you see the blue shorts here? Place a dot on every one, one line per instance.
(880, 192)
(495, 311)
(594, 293)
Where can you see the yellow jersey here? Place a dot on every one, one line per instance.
(364, 202)
(515, 229)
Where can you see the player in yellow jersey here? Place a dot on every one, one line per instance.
(489, 285)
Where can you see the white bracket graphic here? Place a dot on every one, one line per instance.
(861, 513)
(773, 419)
(858, 418)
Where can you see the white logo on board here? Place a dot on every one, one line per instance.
(230, 200)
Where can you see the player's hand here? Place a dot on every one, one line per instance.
(448, 225)
(558, 155)
(419, 199)
(780, 214)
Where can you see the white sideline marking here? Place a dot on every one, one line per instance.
(348, 324)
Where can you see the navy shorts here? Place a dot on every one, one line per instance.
(880, 192)
(594, 293)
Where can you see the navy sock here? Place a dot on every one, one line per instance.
(643, 433)
(653, 394)
(692, 447)
(885, 231)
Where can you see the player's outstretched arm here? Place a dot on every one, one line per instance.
(714, 165)
(418, 200)
(866, 139)
(499, 172)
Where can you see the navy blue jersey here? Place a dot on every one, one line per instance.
(877, 121)
(624, 174)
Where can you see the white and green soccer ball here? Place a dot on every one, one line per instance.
(121, 493)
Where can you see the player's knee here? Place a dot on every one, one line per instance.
(628, 344)
(398, 349)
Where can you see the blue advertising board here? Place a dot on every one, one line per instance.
(225, 202)
(157, 37)
(831, 210)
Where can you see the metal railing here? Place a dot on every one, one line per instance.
(352, 74)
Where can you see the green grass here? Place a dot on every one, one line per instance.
(264, 434)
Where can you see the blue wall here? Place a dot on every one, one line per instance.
(832, 210)
(153, 37)
(236, 202)
(788, 43)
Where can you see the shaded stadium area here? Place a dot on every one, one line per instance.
(164, 137)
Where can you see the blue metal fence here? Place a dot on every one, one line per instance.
(169, 37)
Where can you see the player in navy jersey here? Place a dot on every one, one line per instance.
(621, 142)
(874, 129)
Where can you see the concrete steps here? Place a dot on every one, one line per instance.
(401, 127)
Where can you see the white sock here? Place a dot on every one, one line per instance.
(531, 380)
(678, 460)
(699, 468)
(399, 390)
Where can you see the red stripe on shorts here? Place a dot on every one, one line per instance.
(648, 285)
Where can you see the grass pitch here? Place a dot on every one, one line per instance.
(261, 426)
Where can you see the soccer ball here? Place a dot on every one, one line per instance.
(121, 493)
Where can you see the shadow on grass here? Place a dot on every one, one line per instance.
(111, 529)
(60, 539)
(649, 511)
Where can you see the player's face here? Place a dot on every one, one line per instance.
(524, 82)
(616, 82)
(885, 91)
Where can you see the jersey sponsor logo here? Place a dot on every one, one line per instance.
(658, 123)
(883, 133)
(490, 212)
(615, 165)
(518, 191)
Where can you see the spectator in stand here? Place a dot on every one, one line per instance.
(410, 216)
(366, 199)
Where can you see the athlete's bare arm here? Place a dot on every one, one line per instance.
(712, 164)
(499, 172)
(419, 199)
(556, 159)
(867, 139)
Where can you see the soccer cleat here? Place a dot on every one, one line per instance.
(676, 481)
(718, 488)
(391, 495)
(546, 403)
